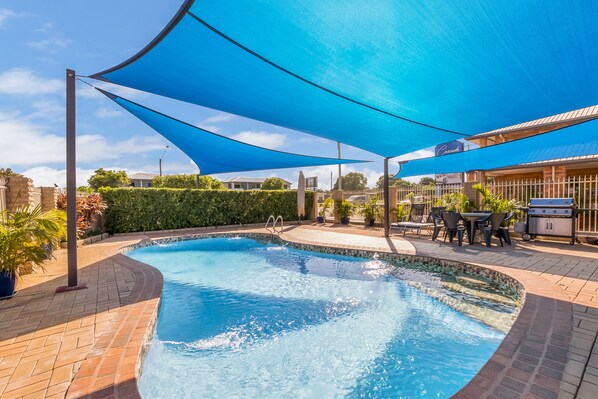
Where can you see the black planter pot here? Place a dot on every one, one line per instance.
(7, 285)
(320, 219)
(369, 222)
(344, 220)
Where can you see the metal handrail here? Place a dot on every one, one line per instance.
(275, 222)
(281, 223)
(268, 221)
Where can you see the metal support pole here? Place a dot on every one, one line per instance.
(71, 177)
(386, 201)
(340, 181)
(71, 185)
(160, 167)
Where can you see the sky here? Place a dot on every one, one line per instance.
(40, 39)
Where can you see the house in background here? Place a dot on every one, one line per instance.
(249, 183)
(142, 180)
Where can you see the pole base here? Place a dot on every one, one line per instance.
(66, 288)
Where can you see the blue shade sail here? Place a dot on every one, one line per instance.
(214, 153)
(386, 76)
(574, 141)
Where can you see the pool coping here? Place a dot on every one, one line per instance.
(534, 350)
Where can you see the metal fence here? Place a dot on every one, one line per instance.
(425, 194)
(583, 188)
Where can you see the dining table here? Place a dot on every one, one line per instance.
(472, 218)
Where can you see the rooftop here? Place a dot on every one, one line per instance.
(241, 179)
(543, 125)
(142, 176)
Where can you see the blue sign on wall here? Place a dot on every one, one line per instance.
(448, 148)
(445, 149)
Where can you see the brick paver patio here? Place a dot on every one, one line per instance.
(89, 343)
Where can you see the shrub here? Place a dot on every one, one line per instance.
(89, 211)
(187, 181)
(131, 210)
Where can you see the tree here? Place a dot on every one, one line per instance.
(108, 178)
(427, 181)
(273, 183)
(353, 181)
(209, 183)
(396, 182)
(8, 172)
(187, 181)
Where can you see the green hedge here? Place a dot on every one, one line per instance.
(131, 210)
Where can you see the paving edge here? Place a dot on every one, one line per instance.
(529, 361)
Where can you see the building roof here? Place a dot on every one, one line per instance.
(543, 125)
(242, 179)
(142, 176)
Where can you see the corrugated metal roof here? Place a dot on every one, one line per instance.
(575, 116)
(568, 159)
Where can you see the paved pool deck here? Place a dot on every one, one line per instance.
(90, 343)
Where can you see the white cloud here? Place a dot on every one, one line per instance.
(49, 44)
(221, 117)
(209, 128)
(45, 27)
(262, 139)
(47, 109)
(44, 176)
(26, 143)
(107, 113)
(25, 82)
(425, 153)
(86, 91)
(5, 14)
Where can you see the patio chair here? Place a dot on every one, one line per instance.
(492, 229)
(416, 221)
(503, 230)
(436, 217)
(453, 226)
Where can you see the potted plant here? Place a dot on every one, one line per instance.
(24, 239)
(494, 203)
(328, 202)
(400, 211)
(371, 211)
(344, 211)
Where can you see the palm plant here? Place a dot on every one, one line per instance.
(457, 202)
(24, 236)
(328, 202)
(494, 203)
(371, 211)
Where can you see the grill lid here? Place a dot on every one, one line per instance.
(552, 202)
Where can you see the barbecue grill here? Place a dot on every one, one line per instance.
(551, 217)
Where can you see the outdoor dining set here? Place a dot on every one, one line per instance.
(457, 224)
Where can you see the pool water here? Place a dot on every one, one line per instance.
(248, 319)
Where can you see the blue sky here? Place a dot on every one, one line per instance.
(39, 40)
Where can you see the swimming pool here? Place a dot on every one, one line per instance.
(245, 318)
